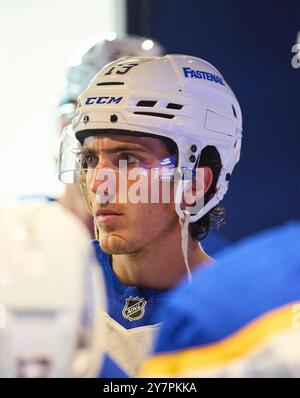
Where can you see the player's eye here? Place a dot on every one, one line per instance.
(89, 161)
(129, 160)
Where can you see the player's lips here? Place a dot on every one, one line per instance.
(105, 215)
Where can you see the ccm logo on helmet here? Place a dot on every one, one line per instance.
(198, 74)
(103, 100)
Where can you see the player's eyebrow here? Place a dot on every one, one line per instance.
(116, 149)
(86, 150)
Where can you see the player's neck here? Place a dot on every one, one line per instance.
(160, 266)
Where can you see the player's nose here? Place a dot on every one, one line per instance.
(103, 182)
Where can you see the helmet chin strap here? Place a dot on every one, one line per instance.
(185, 216)
(184, 222)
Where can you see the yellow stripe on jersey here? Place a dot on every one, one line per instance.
(221, 353)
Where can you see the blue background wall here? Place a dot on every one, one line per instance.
(250, 42)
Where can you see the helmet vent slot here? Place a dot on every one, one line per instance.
(149, 104)
(234, 111)
(164, 115)
(110, 84)
(174, 106)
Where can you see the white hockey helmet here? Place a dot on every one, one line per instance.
(51, 294)
(98, 51)
(180, 97)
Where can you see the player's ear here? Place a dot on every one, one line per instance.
(208, 178)
(197, 188)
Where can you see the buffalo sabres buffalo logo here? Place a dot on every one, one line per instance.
(134, 308)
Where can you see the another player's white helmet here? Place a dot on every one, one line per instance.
(51, 294)
(98, 51)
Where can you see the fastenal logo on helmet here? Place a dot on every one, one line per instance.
(198, 74)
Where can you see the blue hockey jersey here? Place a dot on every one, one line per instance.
(131, 320)
(239, 317)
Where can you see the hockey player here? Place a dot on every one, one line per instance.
(85, 64)
(239, 318)
(176, 113)
(52, 296)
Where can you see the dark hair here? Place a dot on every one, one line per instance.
(209, 157)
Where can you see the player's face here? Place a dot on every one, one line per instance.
(127, 227)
